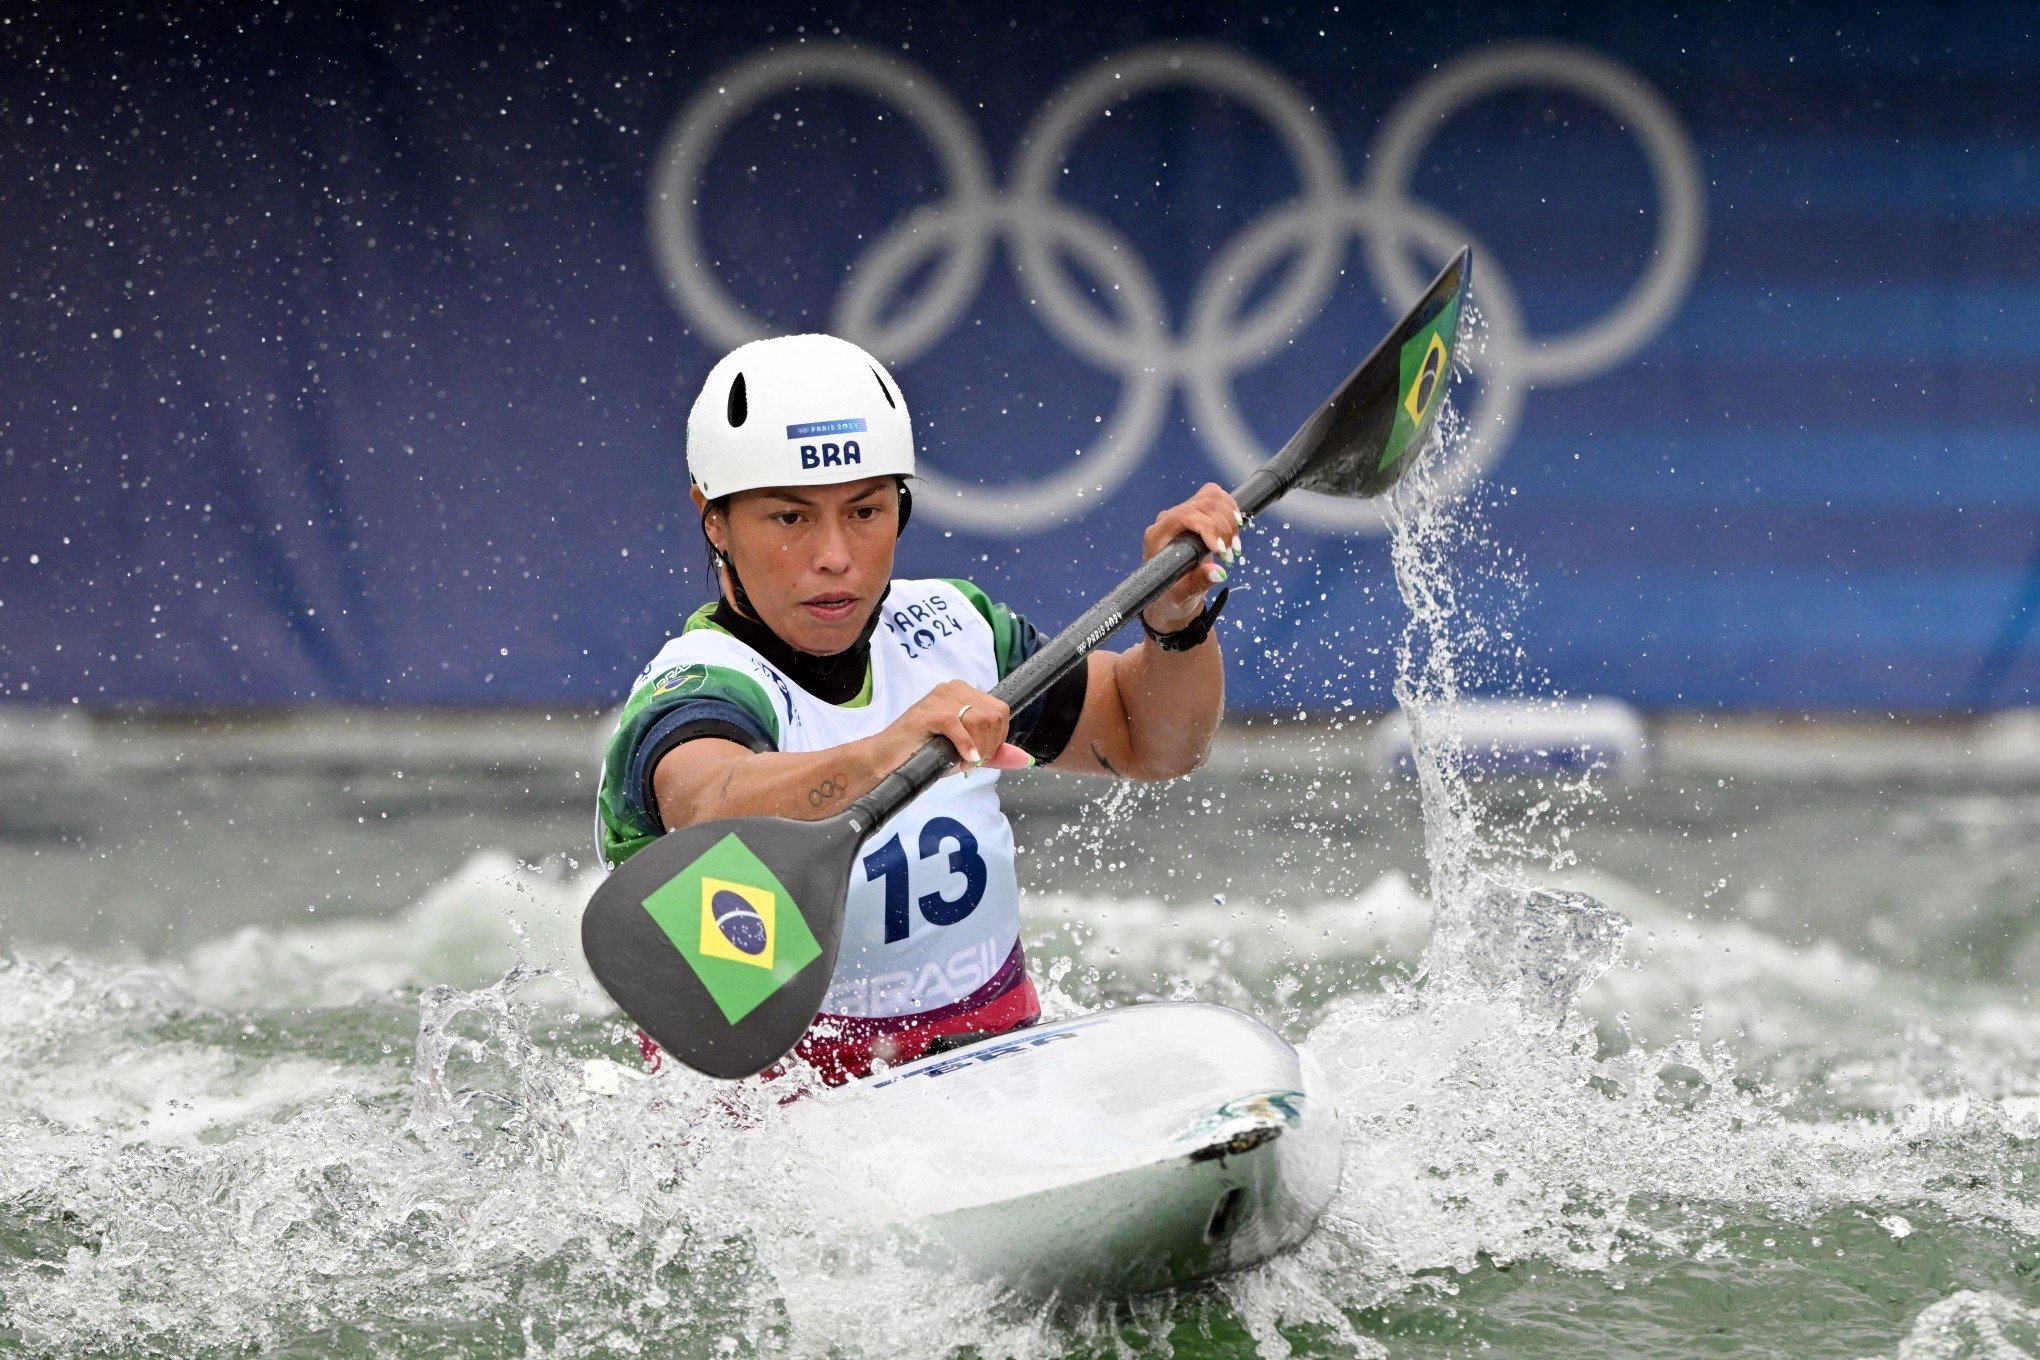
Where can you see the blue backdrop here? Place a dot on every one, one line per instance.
(347, 354)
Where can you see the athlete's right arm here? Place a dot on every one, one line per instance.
(708, 777)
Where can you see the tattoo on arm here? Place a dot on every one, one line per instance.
(728, 775)
(828, 791)
(1099, 756)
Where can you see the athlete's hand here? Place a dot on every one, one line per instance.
(1211, 516)
(973, 720)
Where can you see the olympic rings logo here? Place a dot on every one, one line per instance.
(1135, 341)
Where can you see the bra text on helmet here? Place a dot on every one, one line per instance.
(830, 455)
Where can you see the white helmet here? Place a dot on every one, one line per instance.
(797, 410)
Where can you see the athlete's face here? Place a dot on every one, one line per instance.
(814, 559)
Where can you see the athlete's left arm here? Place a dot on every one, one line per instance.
(1149, 713)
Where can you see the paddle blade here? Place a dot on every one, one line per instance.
(1370, 430)
(720, 939)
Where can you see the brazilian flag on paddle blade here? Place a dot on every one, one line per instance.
(736, 925)
(1426, 371)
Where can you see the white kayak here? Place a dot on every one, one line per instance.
(1123, 1151)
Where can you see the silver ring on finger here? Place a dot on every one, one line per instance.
(961, 711)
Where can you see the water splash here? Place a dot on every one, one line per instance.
(1491, 1124)
(1974, 1325)
(1462, 589)
(507, 1180)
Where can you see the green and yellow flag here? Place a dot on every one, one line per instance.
(736, 925)
(1426, 371)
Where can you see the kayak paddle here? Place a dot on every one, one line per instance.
(719, 939)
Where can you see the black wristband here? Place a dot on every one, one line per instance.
(1191, 633)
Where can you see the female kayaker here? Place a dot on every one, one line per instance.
(815, 673)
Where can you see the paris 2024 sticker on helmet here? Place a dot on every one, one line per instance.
(736, 925)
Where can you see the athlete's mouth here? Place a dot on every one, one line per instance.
(830, 608)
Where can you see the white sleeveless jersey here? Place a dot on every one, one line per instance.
(933, 907)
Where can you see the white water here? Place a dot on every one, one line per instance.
(224, 1152)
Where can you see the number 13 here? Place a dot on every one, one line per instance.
(889, 862)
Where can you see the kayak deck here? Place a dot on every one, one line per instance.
(1122, 1151)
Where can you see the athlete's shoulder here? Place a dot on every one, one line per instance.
(701, 641)
(705, 664)
(702, 676)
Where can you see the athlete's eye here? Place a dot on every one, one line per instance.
(866, 512)
(786, 519)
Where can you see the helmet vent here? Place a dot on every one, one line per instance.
(886, 390)
(740, 406)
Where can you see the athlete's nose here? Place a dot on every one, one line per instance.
(832, 551)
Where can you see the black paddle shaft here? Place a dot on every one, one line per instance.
(1330, 451)
(1060, 655)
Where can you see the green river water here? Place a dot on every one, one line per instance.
(268, 1090)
